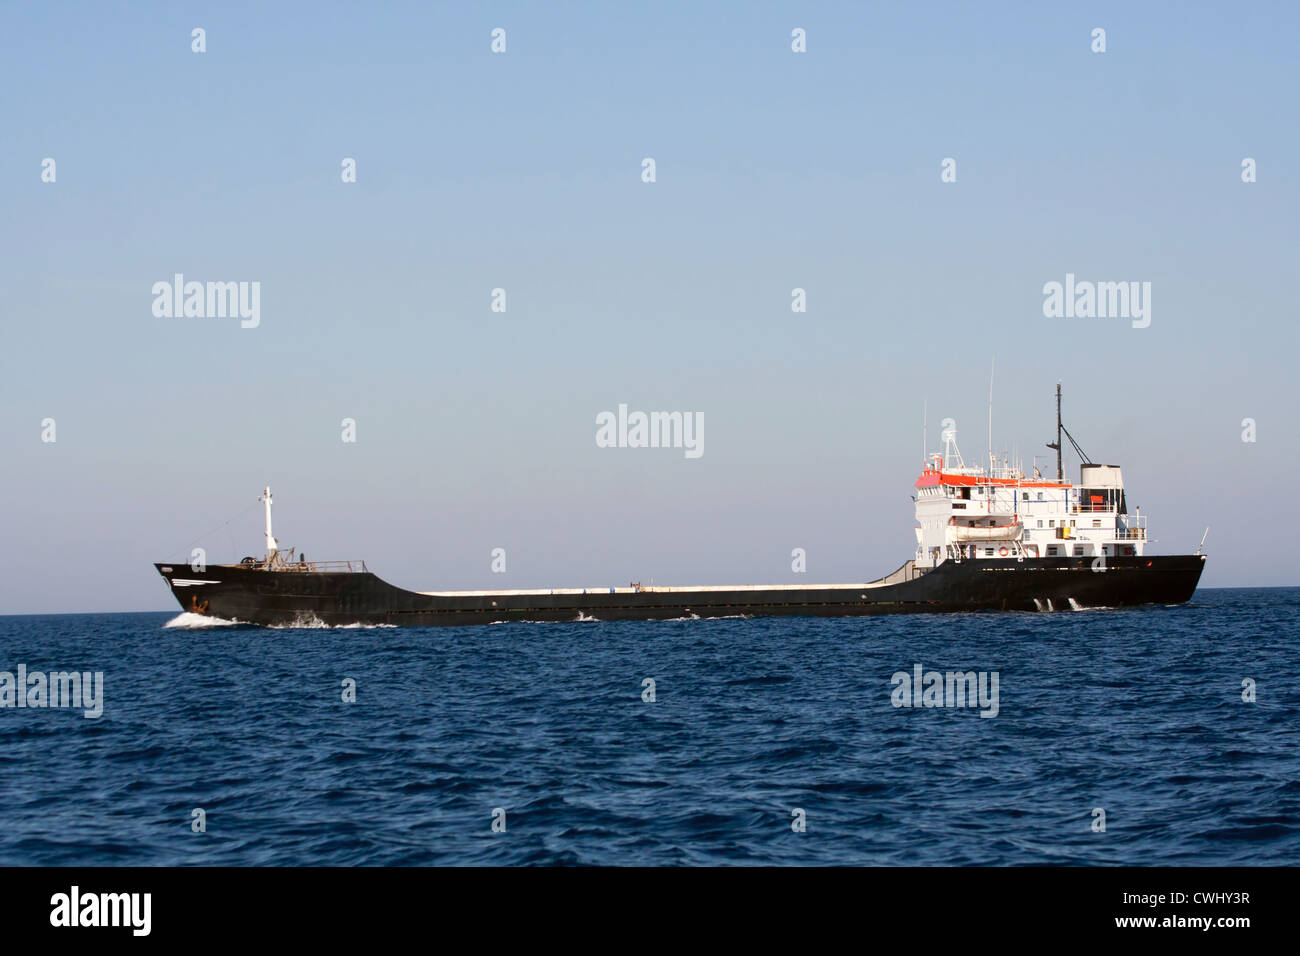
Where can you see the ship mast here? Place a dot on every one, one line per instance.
(1056, 445)
(1060, 471)
(271, 548)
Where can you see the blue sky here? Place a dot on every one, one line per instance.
(522, 171)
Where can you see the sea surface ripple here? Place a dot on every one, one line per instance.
(1137, 712)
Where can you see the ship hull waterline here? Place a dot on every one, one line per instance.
(288, 598)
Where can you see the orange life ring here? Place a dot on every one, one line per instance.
(1002, 551)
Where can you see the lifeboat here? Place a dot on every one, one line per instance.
(997, 532)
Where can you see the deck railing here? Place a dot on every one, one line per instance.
(315, 567)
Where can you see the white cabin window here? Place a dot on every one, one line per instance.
(1040, 496)
(1040, 522)
(1096, 522)
(1024, 496)
(988, 552)
(1051, 523)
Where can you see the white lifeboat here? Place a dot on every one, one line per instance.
(998, 532)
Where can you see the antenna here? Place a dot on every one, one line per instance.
(991, 365)
(925, 421)
(1203, 537)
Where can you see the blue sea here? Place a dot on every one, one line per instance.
(757, 727)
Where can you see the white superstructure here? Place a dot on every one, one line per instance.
(971, 513)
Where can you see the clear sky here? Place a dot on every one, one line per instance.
(522, 170)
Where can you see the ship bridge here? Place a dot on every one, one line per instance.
(973, 512)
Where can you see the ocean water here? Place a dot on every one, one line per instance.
(1138, 713)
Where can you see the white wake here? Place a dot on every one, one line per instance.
(190, 620)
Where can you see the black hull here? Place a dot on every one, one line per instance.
(297, 598)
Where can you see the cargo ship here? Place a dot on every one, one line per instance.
(988, 538)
